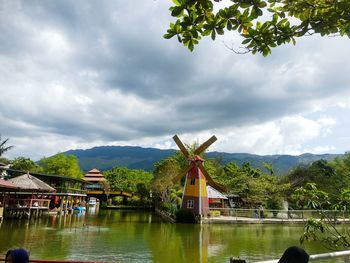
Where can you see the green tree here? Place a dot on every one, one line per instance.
(253, 185)
(323, 230)
(263, 24)
(3, 147)
(310, 197)
(341, 167)
(269, 168)
(61, 164)
(331, 177)
(235, 180)
(26, 164)
(129, 180)
(4, 160)
(164, 172)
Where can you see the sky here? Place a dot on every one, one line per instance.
(79, 74)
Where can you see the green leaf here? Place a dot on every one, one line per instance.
(245, 5)
(190, 46)
(220, 31)
(213, 35)
(206, 32)
(168, 36)
(229, 25)
(246, 41)
(294, 42)
(266, 51)
(275, 18)
(177, 10)
(262, 4)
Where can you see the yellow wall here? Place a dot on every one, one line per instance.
(192, 190)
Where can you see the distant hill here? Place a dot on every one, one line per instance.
(107, 157)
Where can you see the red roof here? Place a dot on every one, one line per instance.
(7, 184)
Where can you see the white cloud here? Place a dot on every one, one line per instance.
(73, 75)
(285, 136)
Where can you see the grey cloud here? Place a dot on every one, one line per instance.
(117, 46)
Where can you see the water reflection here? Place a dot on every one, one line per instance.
(134, 236)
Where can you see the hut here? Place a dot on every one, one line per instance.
(5, 186)
(31, 183)
(70, 191)
(32, 196)
(217, 200)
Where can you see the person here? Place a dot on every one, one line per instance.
(8, 256)
(294, 255)
(18, 255)
(261, 212)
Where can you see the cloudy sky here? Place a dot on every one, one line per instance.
(78, 74)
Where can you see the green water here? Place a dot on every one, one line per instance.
(134, 236)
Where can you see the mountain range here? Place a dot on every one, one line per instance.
(107, 157)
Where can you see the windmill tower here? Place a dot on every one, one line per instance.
(195, 196)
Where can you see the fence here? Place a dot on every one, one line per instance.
(290, 215)
(57, 261)
(345, 254)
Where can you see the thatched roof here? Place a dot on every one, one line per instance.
(29, 182)
(7, 185)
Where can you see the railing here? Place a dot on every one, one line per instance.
(316, 257)
(281, 215)
(57, 261)
(71, 190)
(28, 203)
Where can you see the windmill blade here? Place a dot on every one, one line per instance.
(182, 173)
(181, 146)
(210, 180)
(205, 145)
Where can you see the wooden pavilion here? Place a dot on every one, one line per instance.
(96, 180)
(69, 192)
(5, 186)
(31, 198)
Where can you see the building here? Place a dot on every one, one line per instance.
(95, 179)
(217, 200)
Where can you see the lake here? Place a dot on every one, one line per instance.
(141, 236)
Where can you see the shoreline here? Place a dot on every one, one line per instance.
(246, 220)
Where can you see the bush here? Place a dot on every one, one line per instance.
(169, 207)
(214, 213)
(274, 203)
(185, 216)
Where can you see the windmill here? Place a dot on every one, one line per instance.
(195, 190)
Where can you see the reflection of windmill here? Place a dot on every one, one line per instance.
(195, 192)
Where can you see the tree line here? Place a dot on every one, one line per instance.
(253, 186)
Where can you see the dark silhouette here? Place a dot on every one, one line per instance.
(19, 255)
(294, 255)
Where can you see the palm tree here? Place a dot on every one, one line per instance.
(3, 147)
